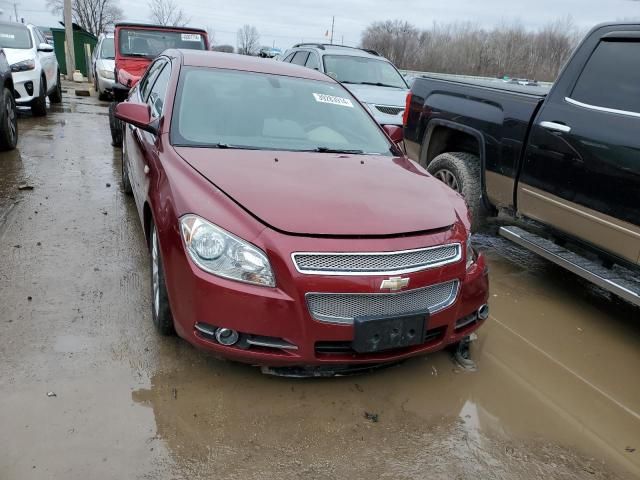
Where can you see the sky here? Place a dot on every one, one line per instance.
(285, 22)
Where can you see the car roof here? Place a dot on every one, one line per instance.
(158, 27)
(232, 61)
(15, 24)
(329, 49)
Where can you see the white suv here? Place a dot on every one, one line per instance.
(33, 66)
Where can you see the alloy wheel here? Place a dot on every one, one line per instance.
(10, 115)
(155, 269)
(448, 178)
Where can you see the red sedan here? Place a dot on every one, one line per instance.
(285, 226)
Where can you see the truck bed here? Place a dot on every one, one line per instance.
(539, 91)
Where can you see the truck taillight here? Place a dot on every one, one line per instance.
(405, 115)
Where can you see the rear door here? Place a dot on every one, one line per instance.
(581, 172)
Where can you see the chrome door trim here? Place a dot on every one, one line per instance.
(601, 109)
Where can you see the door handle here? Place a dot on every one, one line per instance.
(556, 127)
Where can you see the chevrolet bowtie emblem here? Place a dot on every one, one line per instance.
(394, 283)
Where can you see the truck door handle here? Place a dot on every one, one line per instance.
(555, 126)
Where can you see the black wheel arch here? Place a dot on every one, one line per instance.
(427, 154)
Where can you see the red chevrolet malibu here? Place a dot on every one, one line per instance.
(285, 226)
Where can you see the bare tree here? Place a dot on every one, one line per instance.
(248, 40)
(167, 13)
(468, 49)
(211, 34)
(92, 15)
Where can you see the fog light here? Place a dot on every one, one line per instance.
(483, 312)
(226, 336)
(28, 86)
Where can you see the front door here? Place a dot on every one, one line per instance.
(581, 171)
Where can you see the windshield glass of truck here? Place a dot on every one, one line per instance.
(14, 37)
(150, 43)
(233, 109)
(363, 70)
(107, 51)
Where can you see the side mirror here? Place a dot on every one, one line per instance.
(45, 47)
(138, 115)
(395, 133)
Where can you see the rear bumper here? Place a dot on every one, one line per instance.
(282, 314)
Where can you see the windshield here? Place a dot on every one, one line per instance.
(150, 43)
(233, 109)
(14, 36)
(107, 50)
(363, 70)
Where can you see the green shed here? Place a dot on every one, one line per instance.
(80, 38)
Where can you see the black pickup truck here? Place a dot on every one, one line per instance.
(566, 159)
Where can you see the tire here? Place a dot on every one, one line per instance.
(56, 95)
(104, 96)
(160, 310)
(39, 105)
(461, 172)
(115, 125)
(126, 180)
(8, 121)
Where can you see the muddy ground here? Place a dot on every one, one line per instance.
(556, 395)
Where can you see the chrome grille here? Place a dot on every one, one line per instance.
(344, 307)
(381, 263)
(389, 110)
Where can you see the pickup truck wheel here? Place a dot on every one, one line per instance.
(461, 172)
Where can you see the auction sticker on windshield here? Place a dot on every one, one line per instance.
(190, 37)
(323, 98)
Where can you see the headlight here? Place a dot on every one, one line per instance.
(219, 252)
(23, 66)
(471, 253)
(107, 74)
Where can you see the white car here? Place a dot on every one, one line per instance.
(104, 64)
(34, 67)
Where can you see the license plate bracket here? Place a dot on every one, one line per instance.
(377, 334)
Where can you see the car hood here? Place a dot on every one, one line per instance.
(378, 95)
(105, 64)
(328, 194)
(15, 55)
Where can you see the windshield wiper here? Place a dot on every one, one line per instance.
(138, 55)
(337, 150)
(379, 84)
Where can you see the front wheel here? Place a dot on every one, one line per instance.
(8, 121)
(160, 310)
(461, 172)
(56, 95)
(39, 105)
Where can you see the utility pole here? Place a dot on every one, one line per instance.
(15, 10)
(68, 35)
(333, 20)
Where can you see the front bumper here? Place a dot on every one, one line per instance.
(26, 86)
(105, 84)
(282, 314)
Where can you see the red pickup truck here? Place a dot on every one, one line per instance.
(136, 45)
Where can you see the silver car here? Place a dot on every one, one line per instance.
(104, 66)
(372, 79)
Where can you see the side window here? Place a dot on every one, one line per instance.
(611, 78)
(38, 36)
(313, 61)
(159, 91)
(289, 57)
(300, 58)
(147, 81)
